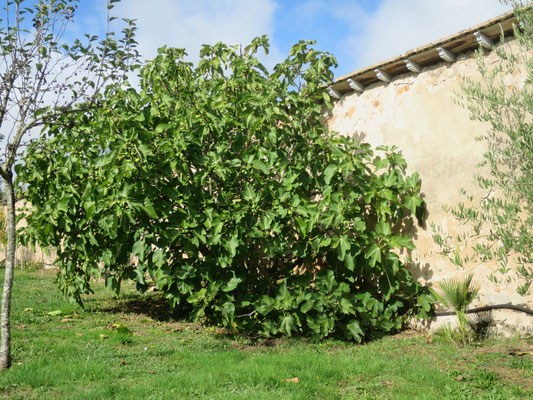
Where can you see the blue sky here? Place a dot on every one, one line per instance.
(358, 32)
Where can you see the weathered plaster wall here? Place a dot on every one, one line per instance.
(418, 113)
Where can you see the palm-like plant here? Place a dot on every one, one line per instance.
(458, 294)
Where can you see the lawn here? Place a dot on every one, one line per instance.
(135, 347)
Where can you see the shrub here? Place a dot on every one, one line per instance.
(232, 197)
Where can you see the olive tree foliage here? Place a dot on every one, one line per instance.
(219, 185)
(44, 75)
(500, 221)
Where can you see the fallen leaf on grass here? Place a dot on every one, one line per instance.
(103, 337)
(387, 383)
(28, 309)
(291, 380)
(79, 334)
(518, 353)
(122, 329)
(460, 378)
(66, 320)
(54, 313)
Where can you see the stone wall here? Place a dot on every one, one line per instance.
(419, 114)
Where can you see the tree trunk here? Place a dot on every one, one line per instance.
(5, 340)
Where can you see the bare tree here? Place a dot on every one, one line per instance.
(43, 75)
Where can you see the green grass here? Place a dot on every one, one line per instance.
(135, 347)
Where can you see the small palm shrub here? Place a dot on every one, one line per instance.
(458, 294)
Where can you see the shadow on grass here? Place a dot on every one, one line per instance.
(154, 306)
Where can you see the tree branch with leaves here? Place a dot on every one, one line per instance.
(43, 75)
(500, 221)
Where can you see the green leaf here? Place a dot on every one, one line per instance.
(325, 242)
(325, 280)
(349, 261)
(197, 296)
(266, 222)
(413, 180)
(107, 257)
(92, 239)
(265, 305)
(346, 306)
(149, 208)
(400, 241)
(232, 284)
(387, 288)
(112, 283)
(158, 257)
(383, 228)
(344, 245)
(231, 245)
(354, 330)
(261, 166)
(329, 172)
(288, 324)
(412, 202)
(248, 193)
(90, 207)
(307, 306)
(302, 226)
(389, 179)
(425, 303)
(228, 311)
(373, 255)
(321, 325)
(139, 249)
(42, 111)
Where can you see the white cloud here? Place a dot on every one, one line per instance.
(191, 23)
(401, 25)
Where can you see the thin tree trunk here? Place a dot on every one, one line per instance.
(5, 340)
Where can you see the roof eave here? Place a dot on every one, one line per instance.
(427, 55)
